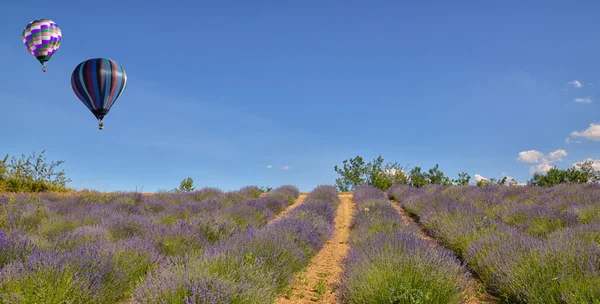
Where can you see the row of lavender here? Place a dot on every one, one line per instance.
(93, 247)
(528, 244)
(252, 267)
(389, 263)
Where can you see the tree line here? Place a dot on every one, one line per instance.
(355, 171)
(34, 173)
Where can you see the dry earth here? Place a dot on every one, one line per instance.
(474, 292)
(297, 203)
(317, 283)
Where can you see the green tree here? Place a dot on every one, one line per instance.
(186, 185)
(437, 177)
(32, 174)
(384, 176)
(579, 174)
(417, 178)
(553, 177)
(356, 172)
(432, 176)
(484, 182)
(585, 172)
(351, 174)
(4, 168)
(265, 189)
(463, 179)
(3, 173)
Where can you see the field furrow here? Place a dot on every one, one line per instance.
(473, 289)
(96, 247)
(388, 262)
(317, 283)
(291, 207)
(527, 244)
(250, 267)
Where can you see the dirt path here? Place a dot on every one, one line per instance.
(291, 207)
(316, 283)
(474, 292)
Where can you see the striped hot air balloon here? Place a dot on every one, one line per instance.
(98, 83)
(42, 38)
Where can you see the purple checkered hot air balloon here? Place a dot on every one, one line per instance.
(98, 82)
(42, 38)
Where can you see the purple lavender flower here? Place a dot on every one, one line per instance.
(389, 262)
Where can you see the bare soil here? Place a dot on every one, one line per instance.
(316, 284)
(474, 290)
(291, 207)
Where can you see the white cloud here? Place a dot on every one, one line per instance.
(542, 167)
(508, 177)
(543, 161)
(557, 155)
(285, 168)
(592, 133)
(478, 177)
(510, 182)
(269, 167)
(583, 100)
(531, 156)
(394, 171)
(570, 141)
(391, 171)
(595, 163)
(576, 83)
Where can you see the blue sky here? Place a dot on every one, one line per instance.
(220, 91)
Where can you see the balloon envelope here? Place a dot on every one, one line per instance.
(42, 38)
(98, 83)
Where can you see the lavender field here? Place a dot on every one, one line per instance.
(111, 247)
(528, 244)
(389, 263)
(251, 267)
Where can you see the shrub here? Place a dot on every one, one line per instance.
(356, 172)
(31, 174)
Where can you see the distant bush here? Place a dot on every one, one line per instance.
(580, 174)
(186, 185)
(463, 179)
(492, 181)
(356, 172)
(31, 174)
(265, 189)
(434, 177)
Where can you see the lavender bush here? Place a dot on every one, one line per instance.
(249, 267)
(528, 244)
(94, 247)
(389, 263)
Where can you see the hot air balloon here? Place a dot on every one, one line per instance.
(42, 38)
(98, 83)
